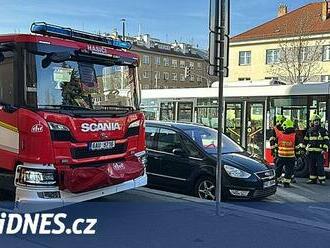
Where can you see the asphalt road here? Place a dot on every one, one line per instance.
(151, 218)
(311, 202)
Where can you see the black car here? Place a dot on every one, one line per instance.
(182, 157)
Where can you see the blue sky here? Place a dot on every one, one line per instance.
(182, 20)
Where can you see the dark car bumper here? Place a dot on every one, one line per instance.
(248, 189)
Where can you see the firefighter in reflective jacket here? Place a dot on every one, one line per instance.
(316, 143)
(275, 132)
(287, 145)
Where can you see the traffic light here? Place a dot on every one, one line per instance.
(187, 72)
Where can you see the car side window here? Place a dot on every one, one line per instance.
(150, 137)
(191, 148)
(168, 140)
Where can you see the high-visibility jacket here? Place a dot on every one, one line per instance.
(316, 140)
(287, 145)
(277, 130)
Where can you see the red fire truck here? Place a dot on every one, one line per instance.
(70, 125)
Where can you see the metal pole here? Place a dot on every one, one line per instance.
(124, 26)
(220, 106)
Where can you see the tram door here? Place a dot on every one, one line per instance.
(255, 128)
(185, 111)
(233, 123)
(176, 111)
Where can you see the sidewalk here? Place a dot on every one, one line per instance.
(180, 221)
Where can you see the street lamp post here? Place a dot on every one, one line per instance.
(123, 20)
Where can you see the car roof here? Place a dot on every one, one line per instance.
(179, 125)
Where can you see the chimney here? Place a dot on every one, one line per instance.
(325, 10)
(282, 10)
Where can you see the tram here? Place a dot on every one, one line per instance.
(249, 109)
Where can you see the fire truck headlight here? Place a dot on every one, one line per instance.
(134, 124)
(57, 127)
(36, 177)
(134, 128)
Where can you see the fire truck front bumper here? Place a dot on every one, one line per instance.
(53, 197)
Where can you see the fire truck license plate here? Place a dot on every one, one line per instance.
(269, 183)
(102, 145)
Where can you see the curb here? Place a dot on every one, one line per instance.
(240, 209)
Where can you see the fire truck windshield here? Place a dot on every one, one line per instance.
(82, 85)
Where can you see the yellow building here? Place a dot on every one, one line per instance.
(256, 53)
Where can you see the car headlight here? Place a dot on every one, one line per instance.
(57, 127)
(36, 177)
(235, 172)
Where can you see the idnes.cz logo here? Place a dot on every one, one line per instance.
(45, 223)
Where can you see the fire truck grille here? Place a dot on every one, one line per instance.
(79, 153)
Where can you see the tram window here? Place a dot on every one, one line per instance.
(7, 78)
(319, 106)
(294, 108)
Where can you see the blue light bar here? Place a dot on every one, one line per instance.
(71, 34)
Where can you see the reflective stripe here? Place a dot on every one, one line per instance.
(312, 177)
(286, 180)
(326, 137)
(286, 148)
(322, 178)
(302, 146)
(306, 138)
(9, 127)
(313, 138)
(311, 149)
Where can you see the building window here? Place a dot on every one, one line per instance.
(166, 76)
(174, 76)
(303, 56)
(191, 65)
(166, 61)
(244, 79)
(245, 58)
(199, 65)
(272, 56)
(325, 78)
(157, 60)
(182, 64)
(146, 59)
(182, 78)
(199, 79)
(271, 78)
(174, 63)
(326, 53)
(157, 75)
(146, 74)
(192, 78)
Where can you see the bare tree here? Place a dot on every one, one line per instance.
(298, 55)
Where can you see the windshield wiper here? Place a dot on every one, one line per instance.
(114, 107)
(64, 107)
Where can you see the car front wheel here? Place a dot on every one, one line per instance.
(205, 188)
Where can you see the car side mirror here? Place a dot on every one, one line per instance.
(179, 152)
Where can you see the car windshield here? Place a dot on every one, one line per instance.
(207, 138)
(83, 85)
